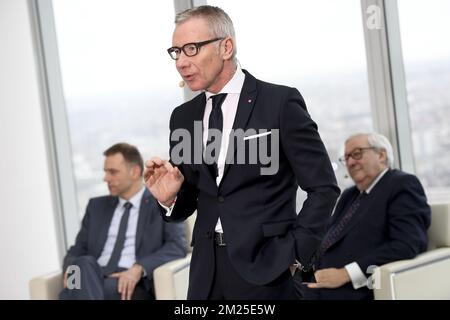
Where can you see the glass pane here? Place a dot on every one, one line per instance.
(425, 31)
(317, 47)
(119, 82)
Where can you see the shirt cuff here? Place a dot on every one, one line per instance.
(168, 209)
(358, 278)
(144, 273)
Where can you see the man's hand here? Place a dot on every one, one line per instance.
(292, 268)
(127, 280)
(330, 278)
(163, 180)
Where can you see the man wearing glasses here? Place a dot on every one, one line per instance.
(247, 233)
(383, 218)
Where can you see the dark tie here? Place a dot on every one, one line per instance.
(215, 122)
(113, 262)
(336, 230)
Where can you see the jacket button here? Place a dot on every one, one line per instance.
(208, 235)
(221, 199)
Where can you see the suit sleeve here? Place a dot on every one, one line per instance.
(409, 217)
(174, 247)
(80, 248)
(309, 160)
(186, 202)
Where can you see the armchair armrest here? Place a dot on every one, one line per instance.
(46, 287)
(171, 279)
(424, 277)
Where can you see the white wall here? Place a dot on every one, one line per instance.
(28, 243)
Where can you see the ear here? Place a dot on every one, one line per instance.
(135, 171)
(383, 156)
(227, 48)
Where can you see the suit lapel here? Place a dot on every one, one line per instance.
(244, 110)
(144, 213)
(104, 223)
(361, 211)
(365, 205)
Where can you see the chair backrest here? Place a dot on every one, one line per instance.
(425, 276)
(189, 229)
(439, 231)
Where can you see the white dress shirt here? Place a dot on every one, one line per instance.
(128, 256)
(229, 108)
(358, 278)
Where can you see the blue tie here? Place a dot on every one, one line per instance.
(335, 231)
(113, 262)
(215, 122)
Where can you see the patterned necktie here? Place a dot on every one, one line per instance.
(215, 122)
(335, 231)
(113, 262)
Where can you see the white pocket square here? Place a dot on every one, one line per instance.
(257, 135)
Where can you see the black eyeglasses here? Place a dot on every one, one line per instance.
(355, 154)
(189, 49)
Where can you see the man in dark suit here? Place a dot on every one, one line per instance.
(383, 218)
(122, 237)
(247, 233)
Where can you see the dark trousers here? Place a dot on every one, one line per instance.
(229, 285)
(96, 286)
(301, 280)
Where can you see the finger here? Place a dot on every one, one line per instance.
(147, 173)
(124, 291)
(314, 285)
(168, 166)
(149, 164)
(161, 170)
(157, 161)
(130, 291)
(149, 170)
(115, 275)
(157, 173)
(177, 173)
(153, 163)
(120, 284)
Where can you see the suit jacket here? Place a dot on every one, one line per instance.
(390, 224)
(156, 243)
(263, 232)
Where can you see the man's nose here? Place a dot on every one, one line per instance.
(182, 61)
(350, 162)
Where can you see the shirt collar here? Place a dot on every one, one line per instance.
(134, 200)
(233, 86)
(378, 178)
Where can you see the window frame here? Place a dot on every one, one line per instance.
(387, 92)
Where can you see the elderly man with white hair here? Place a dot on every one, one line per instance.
(383, 218)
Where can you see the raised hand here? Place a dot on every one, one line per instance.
(163, 180)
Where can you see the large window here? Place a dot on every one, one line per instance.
(317, 47)
(425, 30)
(119, 83)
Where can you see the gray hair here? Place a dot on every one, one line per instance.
(379, 142)
(219, 22)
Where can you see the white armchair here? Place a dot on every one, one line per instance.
(46, 287)
(428, 275)
(170, 279)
